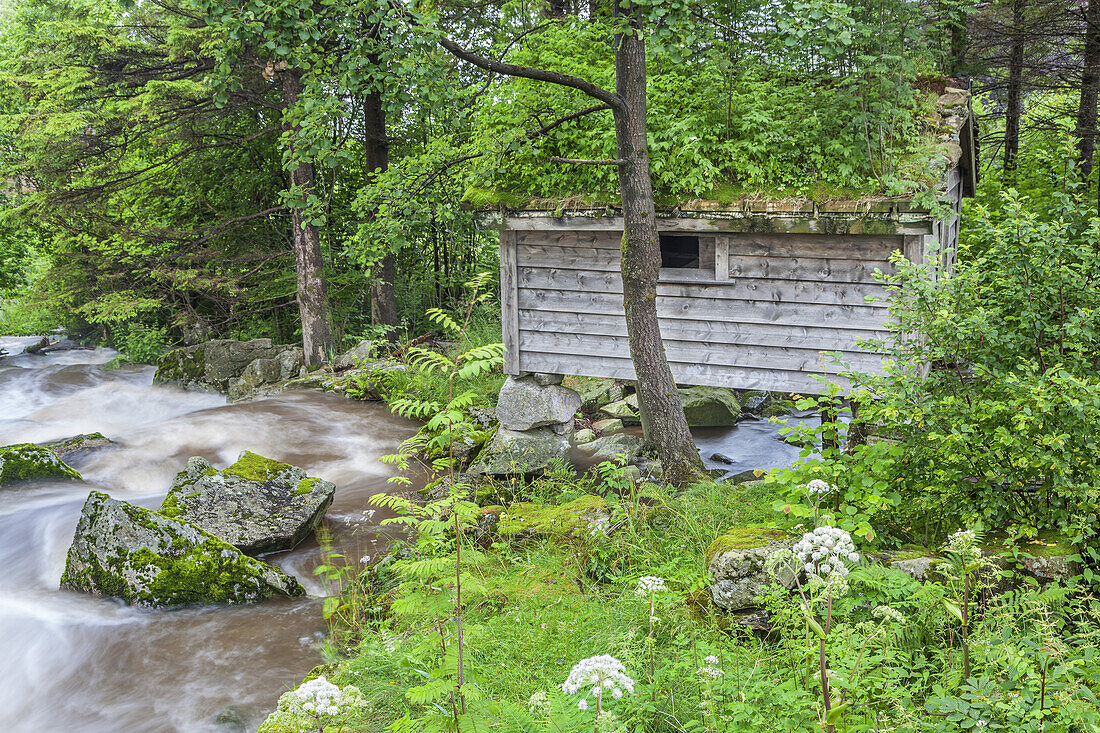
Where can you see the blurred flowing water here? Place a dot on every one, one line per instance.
(75, 663)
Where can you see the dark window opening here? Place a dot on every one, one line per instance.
(679, 250)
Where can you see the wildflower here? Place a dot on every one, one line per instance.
(712, 672)
(649, 584)
(819, 487)
(888, 614)
(711, 659)
(602, 672)
(825, 550)
(964, 542)
(539, 702)
(320, 700)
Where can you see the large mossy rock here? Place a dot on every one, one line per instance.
(263, 372)
(257, 504)
(148, 559)
(736, 563)
(585, 516)
(79, 447)
(511, 452)
(524, 404)
(27, 461)
(710, 407)
(211, 365)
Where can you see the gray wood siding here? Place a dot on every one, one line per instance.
(784, 300)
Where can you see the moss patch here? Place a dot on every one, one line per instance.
(253, 467)
(145, 558)
(745, 538)
(306, 485)
(550, 521)
(26, 461)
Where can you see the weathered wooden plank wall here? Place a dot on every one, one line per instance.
(783, 301)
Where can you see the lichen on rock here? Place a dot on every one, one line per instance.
(27, 461)
(147, 559)
(257, 504)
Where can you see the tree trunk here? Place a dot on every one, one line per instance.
(662, 413)
(1014, 110)
(1090, 84)
(383, 300)
(313, 305)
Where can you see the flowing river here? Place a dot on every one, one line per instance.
(75, 663)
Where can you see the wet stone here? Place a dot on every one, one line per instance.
(257, 504)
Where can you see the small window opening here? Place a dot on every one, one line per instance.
(679, 250)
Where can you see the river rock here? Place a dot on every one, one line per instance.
(262, 372)
(357, 354)
(621, 445)
(27, 461)
(525, 404)
(736, 564)
(608, 426)
(78, 447)
(622, 410)
(257, 504)
(512, 452)
(710, 407)
(583, 436)
(209, 366)
(148, 559)
(595, 393)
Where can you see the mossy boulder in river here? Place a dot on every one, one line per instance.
(78, 447)
(257, 504)
(710, 407)
(27, 461)
(148, 559)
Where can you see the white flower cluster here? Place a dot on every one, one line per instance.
(963, 542)
(824, 551)
(539, 702)
(603, 673)
(819, 487)
(711, 669)
(649, 584)
(319, 698)
(888, 614)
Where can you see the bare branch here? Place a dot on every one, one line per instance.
(588, 161)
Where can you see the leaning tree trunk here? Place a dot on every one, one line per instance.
(662, 413)
(383, 300)
(1090, 84)
(1015, 90)
(313, 305)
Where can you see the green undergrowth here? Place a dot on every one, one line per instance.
(531, 609)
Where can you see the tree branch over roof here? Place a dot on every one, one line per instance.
(611, 99)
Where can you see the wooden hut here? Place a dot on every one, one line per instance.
(750, 294)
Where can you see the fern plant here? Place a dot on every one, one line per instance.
(439, 567)
(447, 423)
